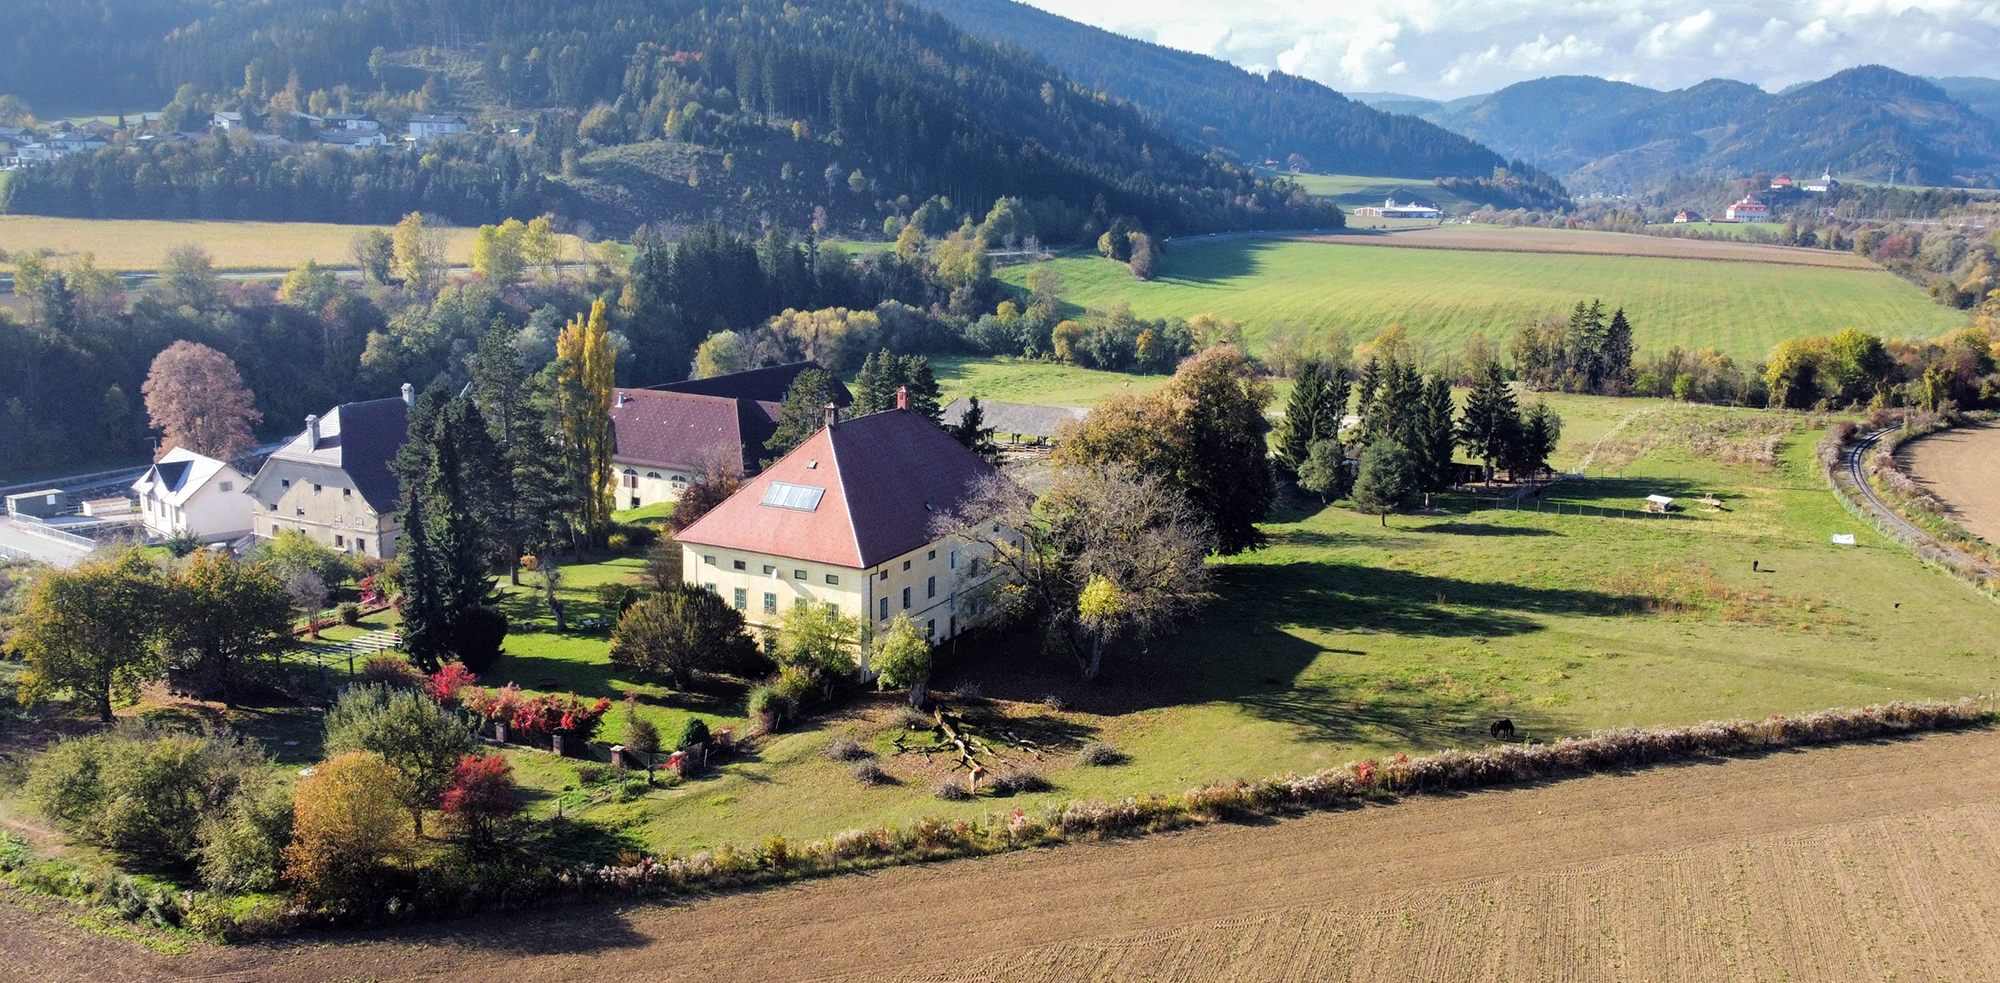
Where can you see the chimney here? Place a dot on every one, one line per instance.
(312, 431)
(620, 399)
(409, 395)
(832, 415)
(902, 397)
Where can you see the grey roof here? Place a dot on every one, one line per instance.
(766, 385)
(1026, 419)
(359, 440)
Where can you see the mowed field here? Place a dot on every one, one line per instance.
(1856, 862)
(138, 245)
(1960, 466)
(1442, 296)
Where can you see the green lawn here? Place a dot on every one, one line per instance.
(1344, 639)
(1747, 231)
(1349, 190)
(1441, 297)
(1014, 380)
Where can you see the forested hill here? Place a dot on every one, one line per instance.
(1212, 102)
(1868, 122)
(622, 111)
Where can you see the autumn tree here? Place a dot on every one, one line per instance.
(197, 400)
(1104, 556)
(720, 475)
(1203, 434)
(92, 631)
(902, 659)
(481, 797)
(721, 353)
(348, 830)
(420, 258)
(420, 740)
(585, 371)
(498, 251)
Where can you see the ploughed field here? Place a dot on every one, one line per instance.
(1738, 298)
(1856, 862)
(1962, 467)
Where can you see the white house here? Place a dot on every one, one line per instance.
(225, 121)
(187, 493)
(1825, 183)
(1749, 210)
(334, 481)
(431, 126)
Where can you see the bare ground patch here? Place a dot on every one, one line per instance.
(1862, 861)
(1961, 467)
(1591, 243)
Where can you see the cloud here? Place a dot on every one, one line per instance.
(1454, 47)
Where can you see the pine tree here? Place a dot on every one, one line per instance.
(1301, 424)
(1617, 355)
(925, 393)
(1439, 435)
(972, 431)
(802, 413)
(1491, 418)
(1365, 388)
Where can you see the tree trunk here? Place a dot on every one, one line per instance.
(104, 702)
(920, 693)
(1096, 663)
(1385, 520)
(417, 820)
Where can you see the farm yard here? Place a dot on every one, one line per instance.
(1443, 296)
(1587, 879)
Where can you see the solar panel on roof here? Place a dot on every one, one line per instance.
(783, 495)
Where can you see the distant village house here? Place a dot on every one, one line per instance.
(1391, 209)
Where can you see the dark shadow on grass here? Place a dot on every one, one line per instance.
(1483, 529)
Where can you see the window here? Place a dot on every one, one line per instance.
(930, 587)
(708, 561)
(635, 502)
(930, 628)
(885, 575)
(885, 609)
(272, 507)
(742, 599)
(339, 542)
(228, 486)
(711, 587)
(361, 545)
(300, 512)
(833, 579)
(798, 575)
(769, 570)
(652, 476)
(954, 560)
(317, 488)
(347, 493)
(739, 564)
(906, 598)
(770, 603)
(933, 556)
(679, 479)
(284, 482)
(996, 527)
(975, 567)
(906, 564)
(631, 478)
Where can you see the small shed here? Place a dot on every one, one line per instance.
(1659, 503)
(44, 504)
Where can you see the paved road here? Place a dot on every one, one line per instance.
(14, 539)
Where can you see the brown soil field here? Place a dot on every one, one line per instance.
(1867, 861)
(1582, 242)
(1962, 467)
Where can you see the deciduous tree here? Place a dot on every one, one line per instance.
(680, 631)
(421, 741)
(197, 400)
(586, 370)
(92, 631)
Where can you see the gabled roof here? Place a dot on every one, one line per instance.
(1022, 418)
(359, 440)
(765, 385)
(178, 474)
(685, 430)
(854, 495)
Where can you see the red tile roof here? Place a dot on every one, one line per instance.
(683, 430)
(884, 478)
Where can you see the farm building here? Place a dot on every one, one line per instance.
(44, 504)
(666, 435)
(186, 493)
(333, 481)
(1390, 208)
(1018, 422)
(1749, 209)
(1782, 182)
(425, 127)
(845, 520)
(1686, 215)
(1824, 184)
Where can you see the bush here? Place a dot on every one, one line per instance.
(695, 734)
(847, 749)
(391, 670)
(767, 702)
(1020, 782)
(481, 797)
(618, 542)
(141, 793)
(642, 736)
(588, 775)
(243, 848)
(616, 598)
(420, 741)
(349, 834)
(798, 687)
(182, 544)
(870, 773)
(350, 614)
(477, 637)
(951, 791)
(448, 682)
(1101, 755)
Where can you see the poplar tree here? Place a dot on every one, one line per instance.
(585, 371)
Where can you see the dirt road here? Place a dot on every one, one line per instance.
(1860, 862)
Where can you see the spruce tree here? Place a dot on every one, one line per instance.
(1491, 418)
(875, 385)
(802, 413)
(972, 431)
(925, 393)
(1365, 387)
(1303, 416)
(1440, 435)
(1617, 355)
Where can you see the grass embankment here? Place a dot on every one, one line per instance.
(1444, 296)
(139, 246)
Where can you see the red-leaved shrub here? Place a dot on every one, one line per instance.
(446, 684)
(481, 795)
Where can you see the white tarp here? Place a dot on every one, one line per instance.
(1843, 539)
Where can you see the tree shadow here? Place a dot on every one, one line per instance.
(1208, 262)
(1457, 528)
(1320, 540)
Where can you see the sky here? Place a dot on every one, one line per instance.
(1446, 48)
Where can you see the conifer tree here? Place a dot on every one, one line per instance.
(925, 393)
(1491, 418)
(1302, 411)
(1617, 354)
(1439, 435)
(802, 413)
(972, 431)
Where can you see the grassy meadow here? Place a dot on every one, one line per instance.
(1345, 639)
(1348, 190)
(1444, 296)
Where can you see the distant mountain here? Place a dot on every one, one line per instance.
(1396, 102)
(1868, 122)
(1213, 103)
(1982, 96)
